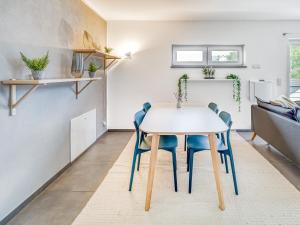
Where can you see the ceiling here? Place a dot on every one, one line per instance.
(196, 9)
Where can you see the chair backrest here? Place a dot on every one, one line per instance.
(214, 107)
(146, 107)
(138, 119)
(226, 117)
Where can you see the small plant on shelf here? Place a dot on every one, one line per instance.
(209, 72)
(36, 65)
(93, 69)
(236, 88)
(181, 95)
(108, 49)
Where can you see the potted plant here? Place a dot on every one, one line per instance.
(236, 88)
(36, 65)
(108, 49)
(180, 93)
(93, 69)
(209, 72)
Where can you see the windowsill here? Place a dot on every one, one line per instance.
(202, 66)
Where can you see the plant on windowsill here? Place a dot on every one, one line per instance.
(236, 88)
(209, 72)
(181, 95)
(93, 69)
(36, 65)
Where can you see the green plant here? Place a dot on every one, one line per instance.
(108, 50)
(180, 93)
(36, 64)
(93, 67)
(236, 88)
(209, 72)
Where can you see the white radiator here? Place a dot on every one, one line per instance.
(83, 133)
(260, 88)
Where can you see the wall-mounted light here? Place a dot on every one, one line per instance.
(127, 55)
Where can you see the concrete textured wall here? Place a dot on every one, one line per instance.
(35, 144)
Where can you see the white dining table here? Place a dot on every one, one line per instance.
(188, 120)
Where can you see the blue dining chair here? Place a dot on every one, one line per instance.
(146, 107)
(166, 142)
(197, 143)
(214, 107)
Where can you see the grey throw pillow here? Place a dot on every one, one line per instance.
(287, 112)
(297, 114)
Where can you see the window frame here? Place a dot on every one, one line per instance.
(207, 56)
(187, 64)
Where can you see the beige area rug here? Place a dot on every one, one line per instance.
(266, 197)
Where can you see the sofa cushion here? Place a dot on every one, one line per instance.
(297, 114)
(285, 102)
(287, 112)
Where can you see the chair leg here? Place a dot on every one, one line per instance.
(191, 156)
(185, 142)
(132, 170)
(139, 162)
(221, 156)
(174, 169)
(188, 160)
(233, 174)
(226, 164)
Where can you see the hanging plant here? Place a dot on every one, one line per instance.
(180, 93)
(236, 88)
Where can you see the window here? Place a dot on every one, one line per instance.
(294, 73)
(190, 56)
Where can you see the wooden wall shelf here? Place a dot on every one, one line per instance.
(13, 84)
(105, 56)
(209, 80)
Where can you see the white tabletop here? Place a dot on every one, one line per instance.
(186, 120)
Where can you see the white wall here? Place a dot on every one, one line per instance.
(148, 76)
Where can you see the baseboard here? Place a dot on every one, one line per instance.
(120, 130)
(243, 130)
(13, 213)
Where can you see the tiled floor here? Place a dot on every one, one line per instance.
(63, 200)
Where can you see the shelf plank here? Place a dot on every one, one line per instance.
(47, 81)
(97, 52)
(209, 80)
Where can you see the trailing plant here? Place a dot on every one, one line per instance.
(93, 67)
(209, 72)
(181, 93)
(108, 50)
(236, 88)
(36, 64)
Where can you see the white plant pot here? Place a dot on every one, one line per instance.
(92, 74)
(37, 74)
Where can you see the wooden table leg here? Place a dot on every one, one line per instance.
(154, 149)
(216, 167)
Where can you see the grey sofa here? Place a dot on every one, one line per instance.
(279, 131)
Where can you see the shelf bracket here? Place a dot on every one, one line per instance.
(109, 64)
(78, 91)
(86, 57)
(13, 102)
